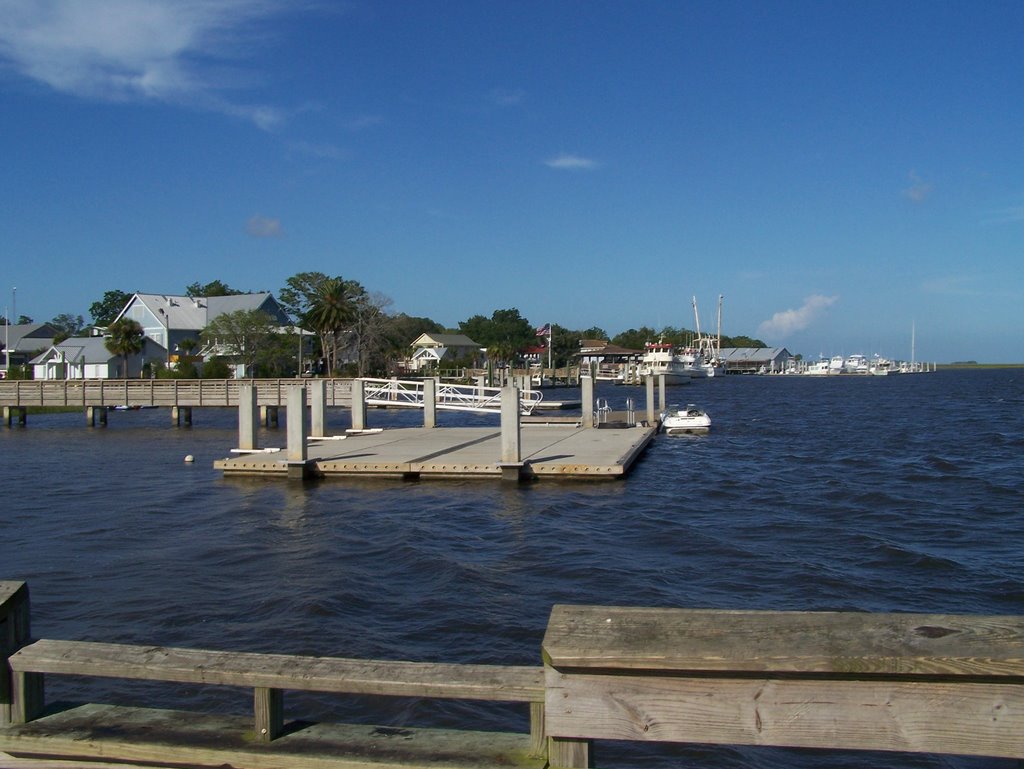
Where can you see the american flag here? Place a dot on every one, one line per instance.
(544, 330)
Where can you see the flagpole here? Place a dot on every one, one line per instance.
(549, 354)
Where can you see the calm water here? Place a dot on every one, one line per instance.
(879, 494)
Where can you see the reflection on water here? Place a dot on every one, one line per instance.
(881, 494)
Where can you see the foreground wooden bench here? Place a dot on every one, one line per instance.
(266, 739)
(897, 682)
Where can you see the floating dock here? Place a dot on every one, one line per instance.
(547, 451)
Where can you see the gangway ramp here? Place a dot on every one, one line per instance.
(409, 393)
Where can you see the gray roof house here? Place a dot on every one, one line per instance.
(20, 342)
(430, 349)
(168, 319)
(89, 358)
(755, 360)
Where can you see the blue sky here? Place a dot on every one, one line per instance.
(842, 172)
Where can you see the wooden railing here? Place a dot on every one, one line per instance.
(894, 682)
(159, 392)
(836, 680)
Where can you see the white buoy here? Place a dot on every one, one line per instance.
(189, 458)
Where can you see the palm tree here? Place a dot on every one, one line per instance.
(125, 337)
(332, 309)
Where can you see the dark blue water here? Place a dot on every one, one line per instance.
(878, 494)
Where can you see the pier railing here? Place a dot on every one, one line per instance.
(450, 397)
(914, 683)
(158, 392)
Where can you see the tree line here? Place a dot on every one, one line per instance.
(354, 333)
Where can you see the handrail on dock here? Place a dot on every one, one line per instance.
(922, 683)
(159, 392)
(447, 396)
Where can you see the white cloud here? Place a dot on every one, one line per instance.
(1006, 215)
(954, 285)
(786, 322)
(571, 163)
(136, 50)
(263, 227)
(314, 150)
(919, 189)
(506, 97)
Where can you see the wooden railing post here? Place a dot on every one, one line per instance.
(538, 737)
(14, 633)
(269, 707)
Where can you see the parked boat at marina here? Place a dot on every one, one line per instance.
(687, 421)
(660, 359)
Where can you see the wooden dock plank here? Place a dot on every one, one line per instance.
(142, 735)
(549, 451)
(839, 643)
(497, 683)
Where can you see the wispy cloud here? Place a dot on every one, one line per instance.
(137, 50)
(264, 227)
(919, 189)
(567, 162)
(786, 322)
(316, 150)
(953, 285)
(507, 97)
(1007, 215)
(363, 122)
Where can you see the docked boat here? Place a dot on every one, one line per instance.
(688, 421)
(660, 359)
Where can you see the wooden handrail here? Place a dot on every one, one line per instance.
(158, 392)
(926, 683)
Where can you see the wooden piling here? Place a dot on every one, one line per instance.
(430, 402)
(318, 408)
(248, 415)
(269, 416)
(181, 415)
(297, 426)
(14, 633)
(96, 414)
(16, 414)
(358, 404)
(649, 392)
(587, 395)
(511, 438)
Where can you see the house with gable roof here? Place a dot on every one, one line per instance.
(430, 349)
(170, 319)
(20, 342)
(88, 358)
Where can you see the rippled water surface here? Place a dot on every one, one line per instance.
(879, 494)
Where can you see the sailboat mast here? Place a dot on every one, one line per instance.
(718, 343)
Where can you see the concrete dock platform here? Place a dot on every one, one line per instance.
(547, 451)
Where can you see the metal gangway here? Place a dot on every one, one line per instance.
(452, 397)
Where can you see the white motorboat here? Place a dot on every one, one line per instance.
(688, 421)
(660, 359)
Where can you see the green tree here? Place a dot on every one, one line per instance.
(216, 368)
(506, 327)
(125, 338)
(109, 307)
(213, 288)
(242, 335)
(299, 293)
(68, 325)
(369, 332)
(330, 312)
(741, 341)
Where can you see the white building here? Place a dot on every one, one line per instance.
(89, 358)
